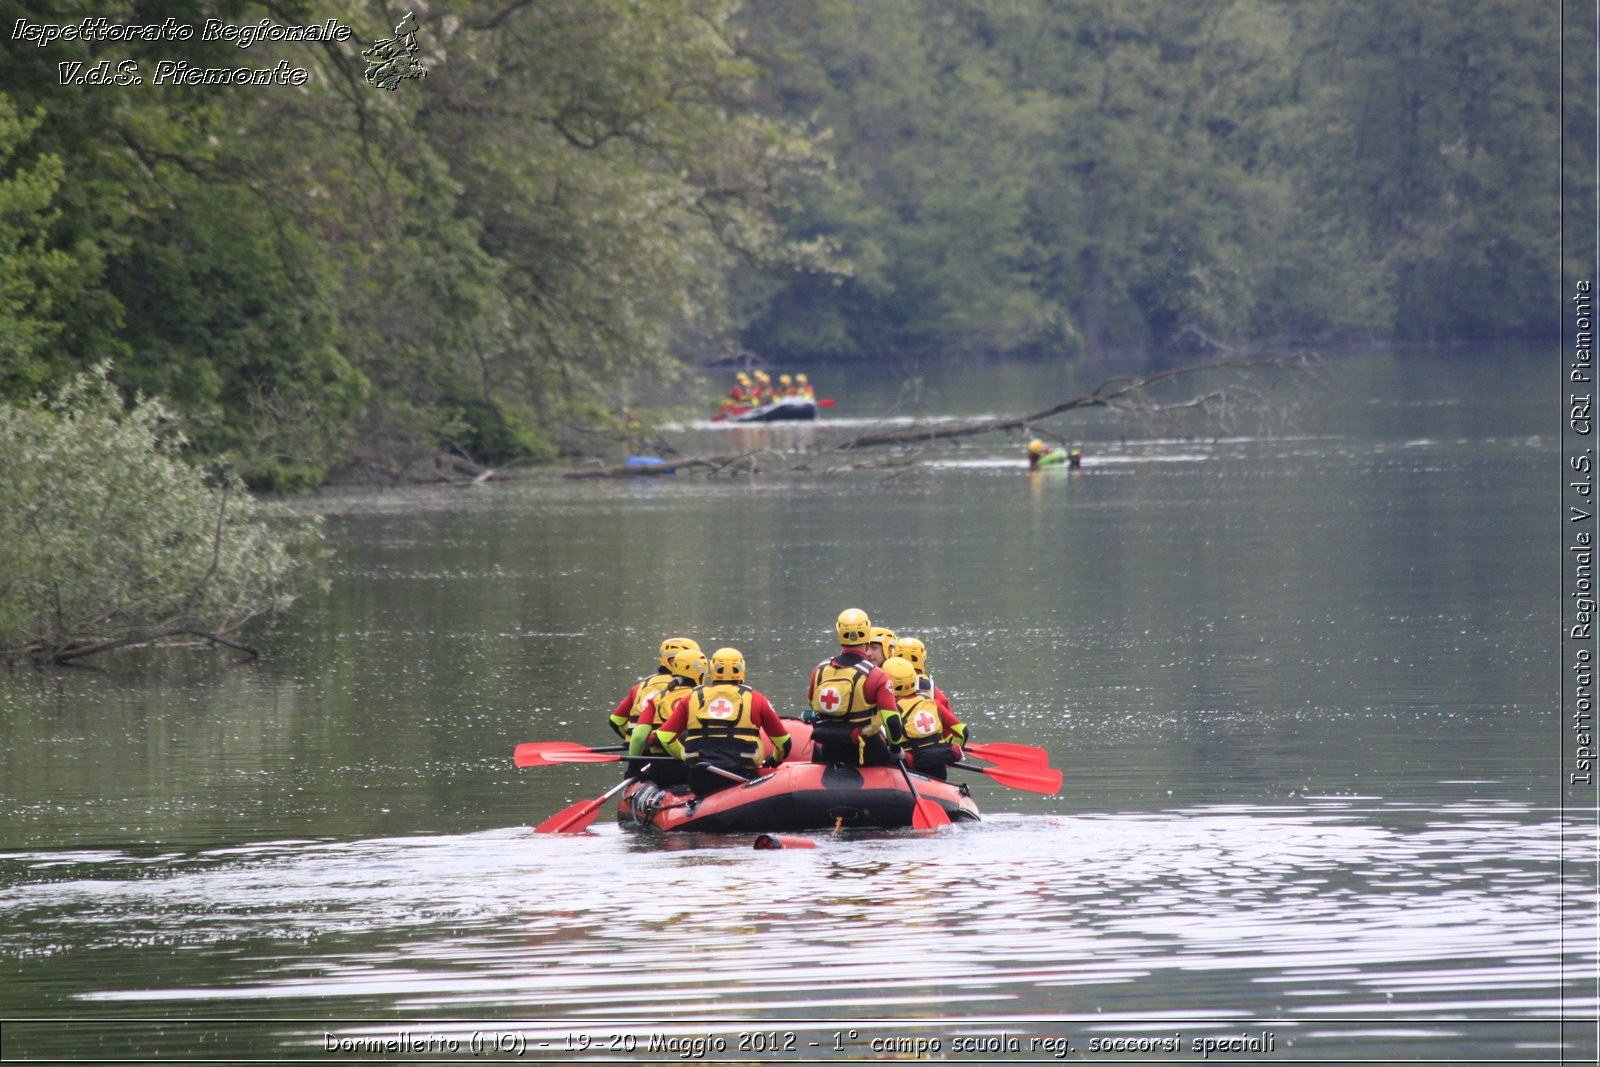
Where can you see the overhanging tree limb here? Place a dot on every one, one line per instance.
(1126, 393)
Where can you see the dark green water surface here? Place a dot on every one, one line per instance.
(1302, 677)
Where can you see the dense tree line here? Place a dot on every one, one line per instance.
(1075, 176)
(583, 197)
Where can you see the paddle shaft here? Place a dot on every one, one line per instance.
(925, 814)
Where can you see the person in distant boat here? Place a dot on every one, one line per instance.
(688, 670)
(849, 697)
(761, 393)
(915, 652)
(740, 393)
(1075, 459)
(1042, 455)
(931, 737)
(643, 692)
(802, 387)
(718, 727)
(785, 386)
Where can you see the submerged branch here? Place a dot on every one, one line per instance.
(77, 652)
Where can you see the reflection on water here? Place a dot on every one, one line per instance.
(1319, 921)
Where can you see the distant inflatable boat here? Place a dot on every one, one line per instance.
(788, 409)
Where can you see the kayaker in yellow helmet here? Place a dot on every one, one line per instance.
(1042, 455)
(849, 697)
(718, 726)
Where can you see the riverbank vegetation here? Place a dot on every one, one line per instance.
(582, 201)
(111, 538)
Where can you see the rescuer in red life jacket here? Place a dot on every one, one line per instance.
(849, 697)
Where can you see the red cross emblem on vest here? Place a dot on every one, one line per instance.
(721, 708)
(926, 723)
(830, 699)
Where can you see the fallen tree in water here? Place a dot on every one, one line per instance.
(1246, 386)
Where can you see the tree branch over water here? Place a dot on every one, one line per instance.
(1129, 395)
(1246, 386)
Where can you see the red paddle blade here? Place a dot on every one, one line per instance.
(1001, 750)
(825, 402)
(928, 815)
(1045, 780)
(586, 756)
(533, 753)
(539, 753)
(573, 820)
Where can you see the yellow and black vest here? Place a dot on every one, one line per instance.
(720, 719)
(919, 720)
(645, 696)
(839, 695)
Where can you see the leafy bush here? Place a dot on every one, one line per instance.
(109, 537)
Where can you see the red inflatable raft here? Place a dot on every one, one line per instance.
(795, 796)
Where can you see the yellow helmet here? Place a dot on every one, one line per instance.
(801, 379)
(914, 651)
(1035, 447)
(763, 376)
(784, 379)
(673, 645)
(690, 664)
(727, 665)
(742, 378)
(883, 637)
(902, 674)
(853, 626)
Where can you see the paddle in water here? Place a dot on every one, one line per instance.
(576, 819)
(925, 814)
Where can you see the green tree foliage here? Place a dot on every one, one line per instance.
(223, 309)
(40, 281)
(1438, 124)
(581, 193)
(1088, 174)
(110, 537)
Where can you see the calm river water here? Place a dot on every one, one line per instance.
(1302, 677)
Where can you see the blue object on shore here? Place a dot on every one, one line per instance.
(649, 461)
